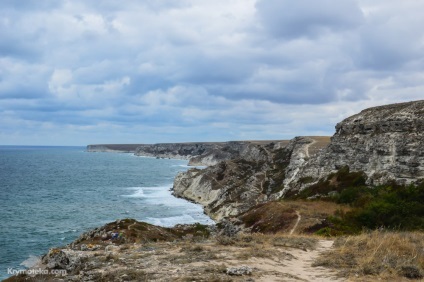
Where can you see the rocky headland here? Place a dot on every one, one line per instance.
(270, 199)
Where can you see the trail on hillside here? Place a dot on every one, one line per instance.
(309, 145)
(299, 217)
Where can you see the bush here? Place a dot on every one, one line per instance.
(390, 206)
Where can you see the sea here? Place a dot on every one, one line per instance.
(50, 195)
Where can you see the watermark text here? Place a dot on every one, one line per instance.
(36, 271)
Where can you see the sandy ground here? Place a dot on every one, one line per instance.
(292, 264)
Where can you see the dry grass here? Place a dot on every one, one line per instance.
(320, 143)
(387, 255)
(280, 216)
(298, 242)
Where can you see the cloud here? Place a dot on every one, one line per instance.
(155, 71)
(307, 18)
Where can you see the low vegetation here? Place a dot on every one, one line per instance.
(387, 255)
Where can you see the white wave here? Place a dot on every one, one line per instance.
(171, 221)
(149, 192)
(191, 166)
(31, 261)
(161, 197)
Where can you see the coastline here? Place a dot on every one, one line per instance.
(111, 188)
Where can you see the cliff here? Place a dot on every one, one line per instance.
(232, 187)
(204, 153)
(386, 143)
(184, 151)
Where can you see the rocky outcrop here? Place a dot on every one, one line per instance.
(386, 143)
(226, 189)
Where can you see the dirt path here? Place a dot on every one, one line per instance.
(299, 217)
(309, 145)
(300, 268)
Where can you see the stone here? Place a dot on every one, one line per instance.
(64, 259)
(112, 248)
(239, 271)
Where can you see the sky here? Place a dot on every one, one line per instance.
(87, 72)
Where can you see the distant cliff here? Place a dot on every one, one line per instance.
(118, 148)
(198, 153)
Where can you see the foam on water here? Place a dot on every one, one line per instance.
(171, 221)
(191, 166)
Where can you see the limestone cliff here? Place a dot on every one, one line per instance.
(232, 187)
(385, 142)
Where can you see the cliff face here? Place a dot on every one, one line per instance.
(174, 150)
(229, 187)
(232, 187)
(204, 153)
(384, 142)
(230, 151)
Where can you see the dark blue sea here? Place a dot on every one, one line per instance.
(50, 195)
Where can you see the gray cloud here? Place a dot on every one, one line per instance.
(291, 19)
(82, 72)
